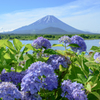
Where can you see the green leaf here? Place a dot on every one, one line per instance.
(78, 80)
(81, 77)
(61, 52)
(94, 48)
(94, 65)
(2, 42)
(90, 77)
(73, 45)
(96, 94)
(61, 68)
(59, 45)
(7, 56)
(10, 46)
(85, 68)
(97, 87)
(40, 59)
(30, 47)
(19, 68)
(28, 63)
(18, 44)
(74, 71)
(50, 51)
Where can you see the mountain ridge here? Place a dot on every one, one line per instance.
(46, 22)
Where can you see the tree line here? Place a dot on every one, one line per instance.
(47, 36)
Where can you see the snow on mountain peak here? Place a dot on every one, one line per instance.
(46, 19)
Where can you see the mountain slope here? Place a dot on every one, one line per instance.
(45, 22)
(50, 30)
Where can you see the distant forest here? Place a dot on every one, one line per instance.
(47, 36)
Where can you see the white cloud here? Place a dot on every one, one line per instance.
(81, 14)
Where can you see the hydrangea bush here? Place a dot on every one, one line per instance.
(80, 42)
(62, 75)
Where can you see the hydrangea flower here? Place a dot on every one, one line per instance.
(96, 55)
(56, 60)
(41, 42)
(14, 77)
(79, 41)
(39, 75)
(65, 39)
(28, 96)
(9, 91)
(73, 91)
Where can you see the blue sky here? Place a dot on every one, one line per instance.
(80, 14)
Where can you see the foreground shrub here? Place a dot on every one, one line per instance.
(61, 75)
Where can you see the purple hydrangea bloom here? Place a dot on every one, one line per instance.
(79, 41)
(65, 39)
(31, 83)
(14, 77)
(39, 75)
(3, 71)
(29, 96)
(56, 60)
(73, 91)
(41, 42)
(9, 91)
(96, 55)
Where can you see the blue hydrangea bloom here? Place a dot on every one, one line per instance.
(96, 55)
(29, 96)
(31, 83)
(39, 75)
(41, 42)
(79, 41)
(56, 60)
(14, 77)
(9, 91)
(65, 39)
(73, 91)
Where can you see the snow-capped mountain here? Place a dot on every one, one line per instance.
(46, 22)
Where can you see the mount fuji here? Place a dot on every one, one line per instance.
(47, 25)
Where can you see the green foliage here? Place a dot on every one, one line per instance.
(78, 69)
